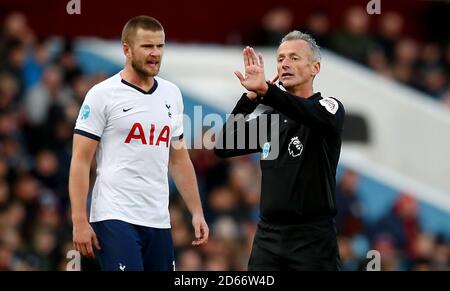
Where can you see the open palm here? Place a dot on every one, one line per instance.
(254, 79)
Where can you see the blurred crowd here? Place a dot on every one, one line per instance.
(378, 42)
(40, 95)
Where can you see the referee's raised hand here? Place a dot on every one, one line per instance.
(254, 79)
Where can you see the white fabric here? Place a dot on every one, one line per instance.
(135, 130)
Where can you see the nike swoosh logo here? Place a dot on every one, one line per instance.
(126, 110)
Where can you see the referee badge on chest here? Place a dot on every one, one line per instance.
(295, 147)
(265, 150)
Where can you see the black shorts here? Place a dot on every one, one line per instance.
(310, 246)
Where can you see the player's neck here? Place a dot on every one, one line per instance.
(131, 76)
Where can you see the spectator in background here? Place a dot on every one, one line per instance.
(382, 54)
(40, 252)
(212, 171)
(389, 31)
(349, 217)
(68, 63)
(349, 260)
(432, 71)
(405, 64)
(9, 91)
(189, 260)
(276, 23)
(14, 63)
(435, 83)
(37, 60)
(6, 257)
(44, 106)
(15, 28)
(354, 40)
(318, 25)
(5, 194)
(46, 170)
(223, 202)
(401, 224)
(391, 258)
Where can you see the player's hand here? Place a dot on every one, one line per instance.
(84, 238)
(254, 79)
(201, 230)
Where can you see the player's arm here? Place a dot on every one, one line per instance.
(182, 172)
(82, 153)
(236, 131)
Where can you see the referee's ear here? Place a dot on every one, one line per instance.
(315, 69)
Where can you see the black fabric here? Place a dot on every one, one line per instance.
(152, 89)
(294, 188)
(86, 134)
(311, 246)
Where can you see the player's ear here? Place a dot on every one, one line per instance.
(126, 49)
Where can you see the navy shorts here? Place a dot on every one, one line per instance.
(129, 247)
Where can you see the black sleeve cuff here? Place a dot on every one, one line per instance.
(266, 99)
(86, 134)
(245, 105)
(180, 137)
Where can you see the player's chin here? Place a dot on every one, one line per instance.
(152, 72)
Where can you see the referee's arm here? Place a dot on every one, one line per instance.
(231, 134)
(304, 110)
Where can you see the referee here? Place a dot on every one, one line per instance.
(296, 230)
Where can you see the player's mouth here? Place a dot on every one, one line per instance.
(152, 63)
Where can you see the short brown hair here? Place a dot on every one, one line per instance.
(144, 22)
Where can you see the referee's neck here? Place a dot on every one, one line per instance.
(302, 91)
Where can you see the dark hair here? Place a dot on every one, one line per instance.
(144, 22)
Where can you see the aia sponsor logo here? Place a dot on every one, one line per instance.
(154, 138)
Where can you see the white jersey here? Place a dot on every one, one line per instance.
(134, 129)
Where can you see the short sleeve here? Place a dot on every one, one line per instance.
(177, 132)
(92, 119)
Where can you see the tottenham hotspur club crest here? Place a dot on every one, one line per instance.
(168, 108)
(295, 147)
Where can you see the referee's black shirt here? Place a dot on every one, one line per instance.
(299, 184)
